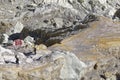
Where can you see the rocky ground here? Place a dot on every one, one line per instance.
(59, 40)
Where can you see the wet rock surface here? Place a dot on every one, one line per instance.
(59, 40)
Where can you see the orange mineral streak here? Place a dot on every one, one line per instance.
(89, 43)
(82, 34)
(107, 43)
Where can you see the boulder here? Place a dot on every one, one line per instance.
(29, 40)
(40, 47)
(5, 38)
(57, 65)
(3, 50)
(21, 58)
(40, 53)
(17, 28)
(98, 46)
(73, 68)
(7, 55)
(9, 58)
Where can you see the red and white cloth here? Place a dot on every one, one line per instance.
(18, 42)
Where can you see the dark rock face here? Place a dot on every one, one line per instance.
(50, 37)
(14, 36)
(90, 18)
(117, 14)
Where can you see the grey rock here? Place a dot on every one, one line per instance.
(9, 58)
(5, 38)
(29, 40)
(66, 64)
(17, 28)
(7, 51)
(2, 60)
(37, 56)
(68, 10)
(40, 53)
(29, 60)
(7, 55)
(21, 58)
(60, 16)
(72, 68)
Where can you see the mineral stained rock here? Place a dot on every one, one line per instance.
(33, 13)
(63, 39)
(57, 65)
(98, 46)
(92, 54)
